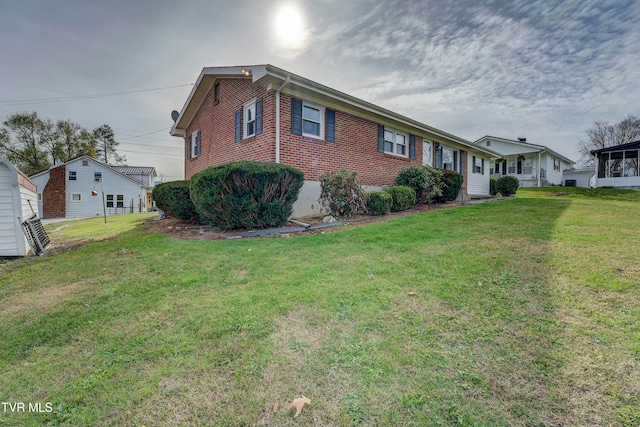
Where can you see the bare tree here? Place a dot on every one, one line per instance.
(604, 134)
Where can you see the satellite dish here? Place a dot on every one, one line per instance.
(175, 115)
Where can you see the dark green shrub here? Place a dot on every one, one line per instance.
(246, 194)
(341, 193)
(452, 184)
(492, 186)
(379, 202)
(507, 185)
(173, 199)
(403, 197)
(424, 180)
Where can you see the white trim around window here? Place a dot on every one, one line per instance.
(396, 142)
(249, 119)
(312, 120)
(76, 197)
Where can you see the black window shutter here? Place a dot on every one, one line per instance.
(473, 165)
(482, 168)
(296, 116)
(238, 125)
(455, 161)
(380, 138)
(198, 139)
(463, 157)
(330, 125)
(258, 116)
(188, 143)
(412, 147)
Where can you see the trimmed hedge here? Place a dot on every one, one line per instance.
(379, 202)
(403, 197)
(341, 193)
(507, 185)
(452, 184)
(173, 199)
(246, 194)
(425, 181)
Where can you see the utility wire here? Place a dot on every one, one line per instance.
(81, 97)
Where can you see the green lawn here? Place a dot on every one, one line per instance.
(517, 312)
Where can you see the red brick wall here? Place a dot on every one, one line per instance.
(355, 149)
(215, 121)
(356, 146)
(54, 195)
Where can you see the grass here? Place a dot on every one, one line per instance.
(519, 312)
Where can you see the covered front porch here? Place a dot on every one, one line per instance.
(525, 167)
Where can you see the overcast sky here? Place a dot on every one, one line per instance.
(540, 69)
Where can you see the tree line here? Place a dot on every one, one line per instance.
(34, 144)
(604, 134)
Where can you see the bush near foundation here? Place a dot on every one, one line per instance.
(403, 197)
(173, 199)
(379, 202)
(452, 184)
(246, 194)
(425, 181)
(341, 193)
(507, 185)
(492, 186)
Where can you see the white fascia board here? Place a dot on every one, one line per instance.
(257, 71)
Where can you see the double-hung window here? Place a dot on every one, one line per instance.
(109, 200)
(120, 201)
(249, 119)
(312, 120)
(395, 142)
(97, 176)
(556, 164)
(73, 175)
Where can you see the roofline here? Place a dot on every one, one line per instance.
(542, 148)
(263, 72)
(96, 161)
(615, 147)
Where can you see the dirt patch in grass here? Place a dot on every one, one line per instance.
(41, 300)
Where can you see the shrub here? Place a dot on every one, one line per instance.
(341, 193)
(492, 186)
(246, 194)
(379, 202)
(507, 185)
(173, 199)
(403, 197)
(452, 184)
(424, 180)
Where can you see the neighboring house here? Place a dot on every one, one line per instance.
(18, 202)
(534, 165)
(618, 166)
(264, 113)
(144, 174)
(76, 189)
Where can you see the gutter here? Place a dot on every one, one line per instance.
(288, 80)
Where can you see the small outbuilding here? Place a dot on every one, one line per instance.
(20, 231)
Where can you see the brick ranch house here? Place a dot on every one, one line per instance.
(267, 114)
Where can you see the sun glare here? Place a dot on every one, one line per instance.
(289, 27)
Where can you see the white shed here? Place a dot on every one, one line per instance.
(18, 202)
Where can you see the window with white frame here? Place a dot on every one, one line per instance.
(97, 176)
(76, 197)
(85, 163)
(528, 167)
(195, 144)
(109, 200)
(395, 142)
(556, 164)
(249, 119)
(449, 159)
(477, 164)
(73, 175)
(120, 201)
(312, 120)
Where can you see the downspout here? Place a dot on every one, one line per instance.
(278, 119)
